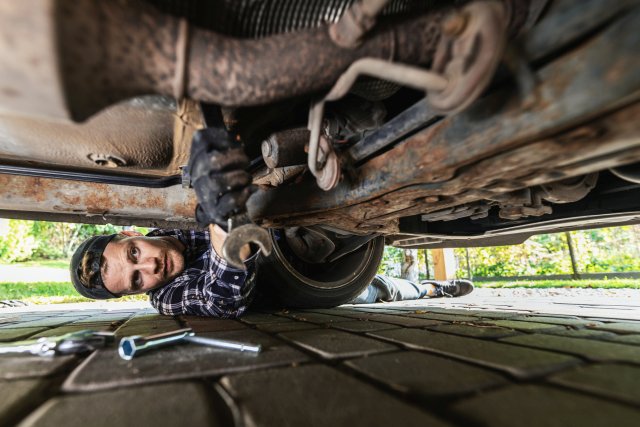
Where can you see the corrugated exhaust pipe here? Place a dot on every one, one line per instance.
(107, 51)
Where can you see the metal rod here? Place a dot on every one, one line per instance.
(229, 345)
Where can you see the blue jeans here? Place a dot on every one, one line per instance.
(383, 288)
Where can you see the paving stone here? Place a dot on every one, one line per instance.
(496, 315)
(62, 330)
(602, 319)
(276, 328)
(105, 318)
(590, 349)
(445, 317)
(23, 367)
(425, 375)
(363, 326)
(315, 395)
(75, 313)
(519, 362)
(339, 311)
(47, 322)
(17, 397)
(381, 309)
(104, 369)
(97, 326)
(319, 318)
(147, 325)
(161, 405)
(257, 318)
(614, 381)
(430, 310)
(208, 324)
(474, 330)
(18, 334)
(580, 333)
(627, 339)
(9, 319)
(557, 320)
(397, 320)
(524, 326)
(620, 327)
(532, 405)
(332, 344)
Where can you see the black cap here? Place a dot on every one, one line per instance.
(95, 246)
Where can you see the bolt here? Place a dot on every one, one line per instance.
(266, 148)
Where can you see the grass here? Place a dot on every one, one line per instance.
(42, 292)
(52, 263)
(545, 284)
(50, 293)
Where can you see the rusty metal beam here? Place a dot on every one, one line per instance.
(596, 78)
(42, 198)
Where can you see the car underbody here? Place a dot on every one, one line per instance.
(529, 123)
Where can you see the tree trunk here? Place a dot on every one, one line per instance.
(572, 254)
(409, 268)
(66, 251)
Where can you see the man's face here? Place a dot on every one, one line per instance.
(137, 264)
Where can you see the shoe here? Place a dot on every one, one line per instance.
(450, 288)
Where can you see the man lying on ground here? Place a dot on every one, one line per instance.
(181, 270)
(182, 273)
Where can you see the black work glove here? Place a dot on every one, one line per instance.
(217, 165)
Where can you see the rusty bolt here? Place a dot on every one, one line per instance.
(266, 148)
(454, 24)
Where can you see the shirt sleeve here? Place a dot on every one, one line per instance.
(226, 292)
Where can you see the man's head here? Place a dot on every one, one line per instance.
(125, 263)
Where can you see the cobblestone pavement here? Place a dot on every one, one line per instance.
(472, 361)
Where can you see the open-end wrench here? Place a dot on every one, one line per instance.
(242, 232)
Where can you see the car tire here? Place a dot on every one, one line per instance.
(296, 283)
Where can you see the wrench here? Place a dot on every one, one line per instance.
(131, 346)
(75, 342)
(242, 232)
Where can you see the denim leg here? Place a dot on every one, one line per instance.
(383, 288)
(368, 296)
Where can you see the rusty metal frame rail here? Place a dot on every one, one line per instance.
(100, 178)
(596, 78)
(73, 201)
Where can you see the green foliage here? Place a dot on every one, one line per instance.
(542, 284)
(16, 241)
(22, 240)
(615, 249)
(391, 261)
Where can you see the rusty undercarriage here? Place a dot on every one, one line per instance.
(529, 124)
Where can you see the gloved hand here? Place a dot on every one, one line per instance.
(217, 165)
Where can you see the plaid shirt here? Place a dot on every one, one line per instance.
(207, 286)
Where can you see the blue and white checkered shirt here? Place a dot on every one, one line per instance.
(207, 286)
